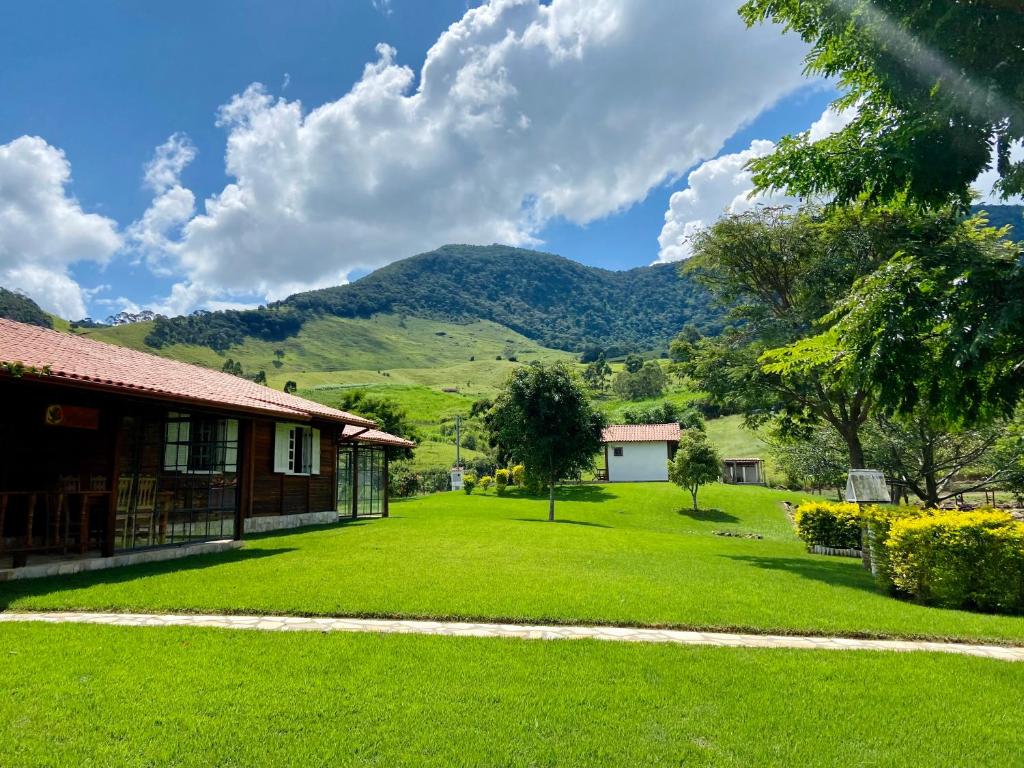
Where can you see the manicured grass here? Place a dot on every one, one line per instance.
(630, 554)
(100, 696)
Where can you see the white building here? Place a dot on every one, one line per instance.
(639, 453)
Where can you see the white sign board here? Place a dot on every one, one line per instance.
(867, 486)
(457, 473)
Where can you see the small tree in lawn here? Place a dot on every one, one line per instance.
(543, 419)
(696, 463)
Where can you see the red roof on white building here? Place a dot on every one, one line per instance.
(78, 360)
(641, 433)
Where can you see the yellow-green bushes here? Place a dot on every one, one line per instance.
(826, 524)
(485, 482)
(501, 478)
(959, 559)
(517, 474)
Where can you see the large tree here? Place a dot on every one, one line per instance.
(938, 88)
(542, 418)
(780, 271)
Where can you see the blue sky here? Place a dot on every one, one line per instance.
(106, 83)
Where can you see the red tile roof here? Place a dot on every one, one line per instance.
(641, 433)
(78, 360)
(376, 437)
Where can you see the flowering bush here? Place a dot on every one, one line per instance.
(501, 478)
(468, 482)
(959, 559)
(827, 524)
(518, 471)
(485, 482)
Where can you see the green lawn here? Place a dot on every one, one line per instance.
(102, 696)
(620, 554)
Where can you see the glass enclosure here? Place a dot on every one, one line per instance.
(370, 479)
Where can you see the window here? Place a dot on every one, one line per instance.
(617, 451)
(297, 450)
(200, 444)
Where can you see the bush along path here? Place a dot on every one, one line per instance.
(518, 631)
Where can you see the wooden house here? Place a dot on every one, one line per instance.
(107, 450)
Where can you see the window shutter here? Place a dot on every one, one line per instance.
(176, 443)
(231, 445)
(282, 436)
(314, 452)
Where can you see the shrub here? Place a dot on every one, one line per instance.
(485, 482)
(501, 478)
(517, 474)
(468, 482)
(878, 521)
(960, 559)
(435, 480)
(403, 482)
(828, 525)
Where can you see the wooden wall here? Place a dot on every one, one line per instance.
(275, 493)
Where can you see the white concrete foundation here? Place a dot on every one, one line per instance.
(69, 567)
(281, 522)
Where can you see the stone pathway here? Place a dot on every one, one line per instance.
(522, 631)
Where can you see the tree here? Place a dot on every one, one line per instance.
(260, 377)
(1008, 456)
(779, 271)
(291, 387)
(233, 367)
(696, 463)
(936, 85)
(816, 460)
(596, 373)
(388, 414)
(542, 418)
(647, 382)
(942, 321)
(930, 456)
(634, 363)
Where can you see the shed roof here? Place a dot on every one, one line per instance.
(81, 361)
(641, 433)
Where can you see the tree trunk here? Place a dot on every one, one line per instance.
(931, 485)
(853, 446)
(551, 502)
(693, 492)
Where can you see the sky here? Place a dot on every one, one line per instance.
(186, 155)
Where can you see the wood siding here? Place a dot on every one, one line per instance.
(275, 493)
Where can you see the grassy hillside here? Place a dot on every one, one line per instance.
(17, 306)
(333, 344)
(558, 302)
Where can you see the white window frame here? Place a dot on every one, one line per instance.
(285, 443)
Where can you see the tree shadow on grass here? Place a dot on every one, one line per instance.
(556, 521)
(838, 574)
(15, 590)
(708, 515)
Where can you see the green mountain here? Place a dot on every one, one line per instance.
(1003, 215)
(16, 306)
(557, 302)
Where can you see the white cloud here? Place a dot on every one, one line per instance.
(172, 206)
(523, 112)
(169, 160)
(725, 186)
(382, 6)
(43, 230)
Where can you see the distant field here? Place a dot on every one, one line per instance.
(734, 440)
(334, 343)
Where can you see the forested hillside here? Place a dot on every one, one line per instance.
(15, 306)
(555, 301)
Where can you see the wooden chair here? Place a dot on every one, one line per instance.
(145, 510)
(122, 512)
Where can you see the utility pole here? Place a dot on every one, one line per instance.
(458, 440)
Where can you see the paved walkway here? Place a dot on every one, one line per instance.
(523, 631)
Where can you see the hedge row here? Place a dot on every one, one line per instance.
(952, 559)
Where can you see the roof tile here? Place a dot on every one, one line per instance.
(640, 433)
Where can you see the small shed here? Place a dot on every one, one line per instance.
(639, 453)
(745, 471)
